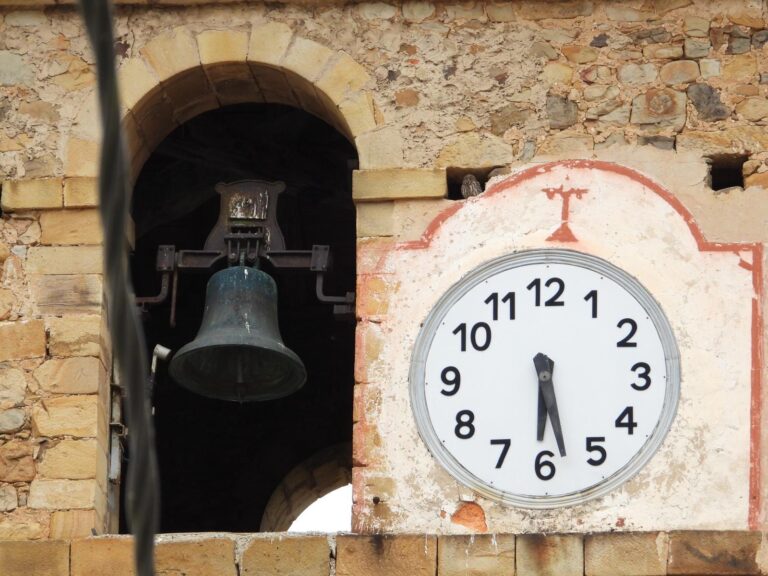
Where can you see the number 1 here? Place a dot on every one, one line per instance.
(592, 295)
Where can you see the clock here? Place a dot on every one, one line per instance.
(545, 378)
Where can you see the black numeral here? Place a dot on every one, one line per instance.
(478, 342)
(553, 300)
(645, 374)
(464, 424)
(493, 300)
(451, 377)
(505, 442)
(592, 295)
(627, 420)
(545, 469)
(626, 342)
(593, 447)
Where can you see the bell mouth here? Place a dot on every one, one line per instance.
(238, 372)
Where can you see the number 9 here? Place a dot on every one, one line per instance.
(451, 377)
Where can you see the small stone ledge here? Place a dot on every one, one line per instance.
(683, 553)
(398, 184)
(32, 194)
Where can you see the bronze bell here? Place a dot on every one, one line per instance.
(238, 353)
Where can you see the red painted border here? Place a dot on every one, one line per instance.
(756, 267)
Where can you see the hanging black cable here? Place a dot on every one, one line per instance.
(125, 329)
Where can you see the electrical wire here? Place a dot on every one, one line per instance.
(129, 350)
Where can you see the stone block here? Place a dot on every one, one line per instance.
(728, 140)
(561, 112)
(67, 294)
(204, 557)
(660, 106)
(663, 51)
(557, 73)
(556, 555)
(70, 227)
(31, 194)
(190, 94)
(741, 68)
(71, 524)
(13, 386)
(286, 556)
(500, 11)
(114, 555)
(12, 420)
(81, 192)
(222, 46)
(343, 78)
(24, 524)
(8, 303)
(417, 11)
(70, 460)
(579, 54)
(99, 556)
(386, 555)
(74, 335)
(274, 85)
(697, 47)
(62, 494)
(22, 339)
(172, 53)
(136, 80)
(82, 158)
(706, 552)
(306, 58)
(679, 72)
(380, 149)
(47, 558)
(66, 416)
(471, 150)
(9, 499)
(760, 179)
(269, 43)
(617, 554)
(64, 260)
(753, 109)
(78, 375)
(565, 10)
(476, 555)
(16, 463)
(376, 185)
(359, 114)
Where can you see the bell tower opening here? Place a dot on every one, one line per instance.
(221, 460)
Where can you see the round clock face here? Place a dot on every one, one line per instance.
(545, 378)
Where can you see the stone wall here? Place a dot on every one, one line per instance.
(422, 89)
(646, 554)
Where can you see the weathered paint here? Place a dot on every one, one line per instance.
(707, 473)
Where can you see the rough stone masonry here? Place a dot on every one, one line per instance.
(419, 87)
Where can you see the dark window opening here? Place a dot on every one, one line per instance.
(726, 170)
(461, 187)
(221, 461)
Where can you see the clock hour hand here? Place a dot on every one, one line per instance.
(544, 368)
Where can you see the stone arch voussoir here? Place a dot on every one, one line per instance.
(317, 476)
(183, 73)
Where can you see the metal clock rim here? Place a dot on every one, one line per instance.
(514, 260)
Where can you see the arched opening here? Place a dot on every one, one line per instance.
(220, 462)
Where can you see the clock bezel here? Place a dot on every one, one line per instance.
(520, 259)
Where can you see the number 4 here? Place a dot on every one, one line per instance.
(627, 420)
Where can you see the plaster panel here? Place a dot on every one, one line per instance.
(700, 478)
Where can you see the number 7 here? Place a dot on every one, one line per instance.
(506, 442)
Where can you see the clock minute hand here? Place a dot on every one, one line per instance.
(544, 368)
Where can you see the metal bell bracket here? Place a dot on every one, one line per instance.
(245, 232)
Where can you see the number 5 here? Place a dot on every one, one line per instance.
(593, 447)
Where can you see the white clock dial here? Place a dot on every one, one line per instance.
(570, 327)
